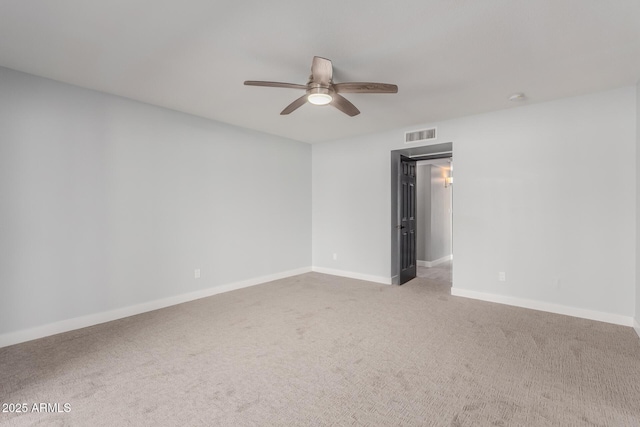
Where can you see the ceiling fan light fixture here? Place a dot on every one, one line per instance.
(319, 96)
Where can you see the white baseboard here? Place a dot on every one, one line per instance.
(67, 325)
(636, 326)
(430, 264)
(548, 307)
(352, 275)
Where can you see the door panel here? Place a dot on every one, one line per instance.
(407, 227)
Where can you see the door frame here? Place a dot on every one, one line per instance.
(423, 152)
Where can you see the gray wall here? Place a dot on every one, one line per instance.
(563, 233)
(433, 217)
(637, 316)
(423, 214)
(440, 238)
(107, 203)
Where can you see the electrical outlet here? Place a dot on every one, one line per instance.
(196, 273)
(335, 257)
(502, 276)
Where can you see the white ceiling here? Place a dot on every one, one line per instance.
(449, 58)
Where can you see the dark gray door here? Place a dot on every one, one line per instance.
(407, 226)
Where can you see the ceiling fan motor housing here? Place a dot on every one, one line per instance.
(318, 88)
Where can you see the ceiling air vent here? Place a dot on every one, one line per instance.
(420, 135)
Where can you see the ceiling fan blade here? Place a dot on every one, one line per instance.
(274, 84)
(321, 70)
(365, 87)
(294, 105)
(343, 104)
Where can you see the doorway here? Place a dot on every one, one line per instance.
(404, 260)
(434, 180)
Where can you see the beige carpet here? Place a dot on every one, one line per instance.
(440, 272)
(320, 350)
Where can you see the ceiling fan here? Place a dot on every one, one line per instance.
(321, 90)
